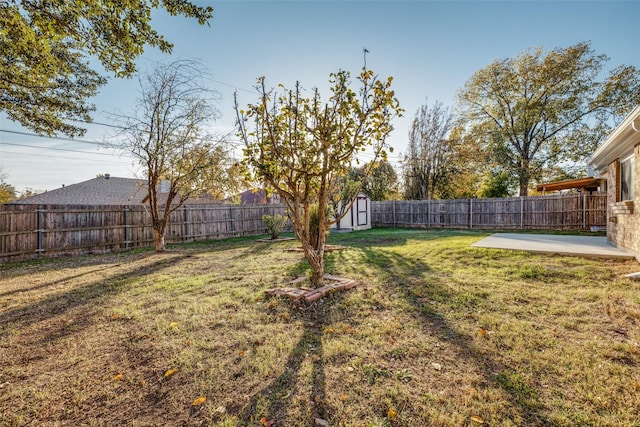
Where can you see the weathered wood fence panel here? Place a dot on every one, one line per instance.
(561, 211)
(28, 231)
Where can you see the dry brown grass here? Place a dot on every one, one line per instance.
(436, 333)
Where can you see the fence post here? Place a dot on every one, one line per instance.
(394, 214)
(428, 213)
(521, 211)
(584, 210)
(127, 229)
(40, 230)
(187, 228)
(232, 221)
(470, 213)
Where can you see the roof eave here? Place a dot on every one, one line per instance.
(619, 143)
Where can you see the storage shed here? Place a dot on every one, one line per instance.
(357, 217)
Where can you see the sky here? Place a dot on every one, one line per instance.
(431, 48)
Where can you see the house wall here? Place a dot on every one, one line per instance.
(623, 217)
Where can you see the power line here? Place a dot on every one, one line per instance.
(63, 149)
(60, 138)
(61, 157)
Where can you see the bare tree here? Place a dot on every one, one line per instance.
(426, 162)
(169, 136)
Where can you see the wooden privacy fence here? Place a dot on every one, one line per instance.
(561, 211)
(28, 231)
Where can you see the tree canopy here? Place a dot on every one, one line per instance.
(169, 137)
(378, 180)
(302, 147)
(46, 79)
(427, 161)
(541, 108)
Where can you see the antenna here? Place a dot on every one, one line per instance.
(364, 54)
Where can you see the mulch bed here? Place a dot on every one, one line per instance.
(309, 294)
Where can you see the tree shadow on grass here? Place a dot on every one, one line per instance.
(272, 401)
(87, 295)
(402, 273)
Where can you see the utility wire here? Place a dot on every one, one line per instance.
(62, 157)
(63, 149)
(60, 138)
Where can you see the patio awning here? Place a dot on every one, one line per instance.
(589, 183)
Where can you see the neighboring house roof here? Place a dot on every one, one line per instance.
(255, 197)
(103, 190)
(619, 143)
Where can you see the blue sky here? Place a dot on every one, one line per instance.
(431, 48)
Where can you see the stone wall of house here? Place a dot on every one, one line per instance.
(623, 217)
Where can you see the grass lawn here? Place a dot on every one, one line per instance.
(436, 334)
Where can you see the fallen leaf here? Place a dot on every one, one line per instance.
(320, 422)
(173, 324)
(343, 397)
(118, 377)
(436, 366)
(391, 413)
(267, 423)
(187, 343)
(143, 383)
(115, 316)
(221, 410)
(315, 358)
(329, 330)
(477, 419)
(241, 353)
(170, 372)
(199, 401)
(482, 332)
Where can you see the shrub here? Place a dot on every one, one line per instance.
(275, 224)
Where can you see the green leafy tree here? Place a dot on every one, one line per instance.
(540, 109)
(496, 183)
(302, 147)
(46, 80)
(379, 180)
(7, 191)
(168, 135)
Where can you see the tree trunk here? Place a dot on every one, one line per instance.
(317, 270)
(524, 189)
(158, 239)
(524, 177)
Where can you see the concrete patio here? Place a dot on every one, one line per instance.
(584, 246)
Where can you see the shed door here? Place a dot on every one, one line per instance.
(361, 208)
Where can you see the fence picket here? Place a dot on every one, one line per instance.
(27, 231)
(574, 211)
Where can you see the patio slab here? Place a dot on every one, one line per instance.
(584, 246)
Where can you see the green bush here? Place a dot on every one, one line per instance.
(314, 224)
(275, 224)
